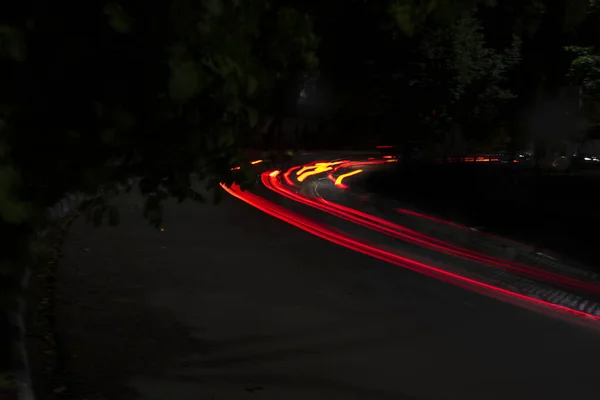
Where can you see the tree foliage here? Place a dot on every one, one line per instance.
(443, 63)
(163, 89)
(461, 76)
(479, 64)
(584, 69)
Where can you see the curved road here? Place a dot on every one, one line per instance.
(230, 302)
(453, 253)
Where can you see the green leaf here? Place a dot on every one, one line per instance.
(12, 210)
(98, 109)
(311, 59)
(214, 7)
(252, 85)
(226, 138)
(117, 17)
(184, 82)
(252, 116)
(13, 42)
(4, 148)
(209, 62)
(9, 269)
(108, 136)
(402, 15)
(204, 27)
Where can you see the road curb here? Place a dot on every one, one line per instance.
(16, 316)
(21, 369)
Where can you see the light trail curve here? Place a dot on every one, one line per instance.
(286, 183)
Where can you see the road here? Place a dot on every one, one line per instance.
(229, 302)
(423, 243)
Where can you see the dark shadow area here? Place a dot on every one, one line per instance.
(551, 211)
(5, 345)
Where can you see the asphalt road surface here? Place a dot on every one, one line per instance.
(228, 302)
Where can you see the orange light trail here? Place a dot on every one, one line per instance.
(316, 171)
(340, 178)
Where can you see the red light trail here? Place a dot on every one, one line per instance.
(284, 185)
